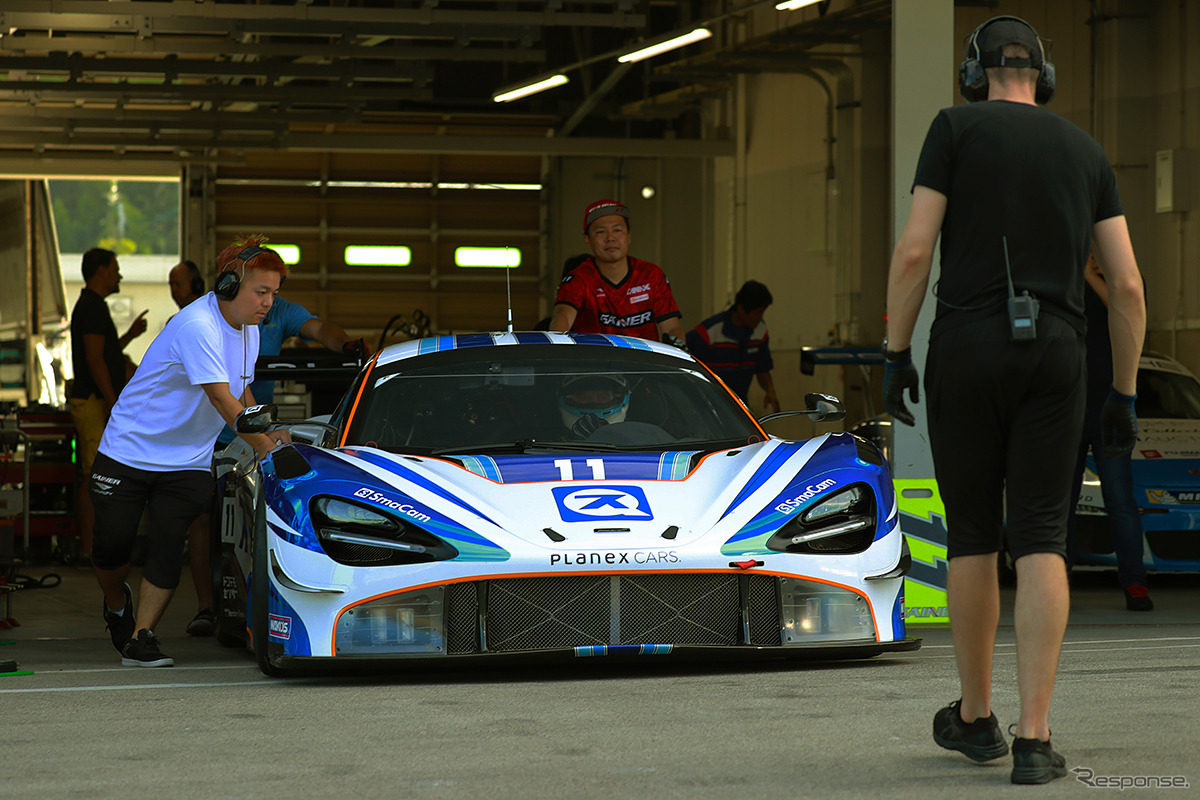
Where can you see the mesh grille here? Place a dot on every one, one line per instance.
(542, 613)
(462, 619)
(763, 600)
(679, 609)
(356, 554)
(546, 613)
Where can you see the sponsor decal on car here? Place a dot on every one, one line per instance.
(601, 503)
(614, 557)
(811, 491)
(1164, 497)
(407, 509)
(279, 627)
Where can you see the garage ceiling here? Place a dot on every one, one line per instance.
(182, 79)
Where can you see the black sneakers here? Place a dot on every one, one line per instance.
(143, 652)
(120, 626)
(1137, 598)
(1035, 761)
(203, 624)
(980, 740)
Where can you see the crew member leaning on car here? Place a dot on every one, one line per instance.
(157, 448)
(613, 292)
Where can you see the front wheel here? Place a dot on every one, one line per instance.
(260, 592)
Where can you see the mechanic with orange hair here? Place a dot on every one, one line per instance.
(157, 448)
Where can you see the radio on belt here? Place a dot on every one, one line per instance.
(1022, 308)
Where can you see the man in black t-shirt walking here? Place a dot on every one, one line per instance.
(99, 365)
(1019, 196)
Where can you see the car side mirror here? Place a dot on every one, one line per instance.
(823, 407)
(256, 419)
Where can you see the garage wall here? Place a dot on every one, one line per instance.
(324, 202)
(1124, 75)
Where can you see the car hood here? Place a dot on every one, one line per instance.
(595, 500)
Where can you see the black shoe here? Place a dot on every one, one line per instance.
(143, 652)
(980, 740)
(1137, 598)
(120, 626)
(203, 624)
(1035, 761)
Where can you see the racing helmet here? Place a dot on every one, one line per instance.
(605, 396)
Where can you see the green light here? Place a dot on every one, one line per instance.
(290, 253)
(502, 257)
(361, 256)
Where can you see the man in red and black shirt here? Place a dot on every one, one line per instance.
(612, 292)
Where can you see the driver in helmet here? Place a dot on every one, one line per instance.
(589, 402)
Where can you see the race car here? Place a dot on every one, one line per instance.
(1166, 474)
(553, 495)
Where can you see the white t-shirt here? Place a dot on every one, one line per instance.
(163, 421)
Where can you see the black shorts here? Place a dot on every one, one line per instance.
(120, 493)
(1004, 427)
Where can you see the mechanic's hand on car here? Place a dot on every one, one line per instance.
(675, 341)
(586, 425)
(271, 441)
(357, 348)
(900, 374)
(1118, 424)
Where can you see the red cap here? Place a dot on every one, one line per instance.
(602, 208)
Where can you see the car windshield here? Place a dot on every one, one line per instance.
(518, 398)
(1167, 395)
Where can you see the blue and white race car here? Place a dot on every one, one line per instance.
(1166, 474)
(518, 494)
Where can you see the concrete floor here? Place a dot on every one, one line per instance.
(213, 726)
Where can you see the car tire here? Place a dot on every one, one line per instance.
(261, 588)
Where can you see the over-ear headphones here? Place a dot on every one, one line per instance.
(972, 73)
(229, 281)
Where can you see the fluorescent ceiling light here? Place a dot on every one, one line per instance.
(361, 256)
(509, 257)
(530, 88)
(792, 5)
(289, 253)
(662, 47)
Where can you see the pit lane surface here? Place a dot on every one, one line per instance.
(213, 726)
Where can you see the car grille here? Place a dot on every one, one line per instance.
(524, 614)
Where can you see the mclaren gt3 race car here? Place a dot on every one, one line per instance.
(518, 494)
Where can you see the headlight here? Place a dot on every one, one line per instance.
(842, 522)
(339, 512)
(358, 536)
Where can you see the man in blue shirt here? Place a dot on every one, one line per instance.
(734, 344)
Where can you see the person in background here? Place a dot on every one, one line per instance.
(1116, 473)
(613, 292)
(186, 283)
(101, 369)
(735, 344)
(156, 454)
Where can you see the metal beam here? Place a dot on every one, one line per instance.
(165, 45)
(339, 142)
(189, 16)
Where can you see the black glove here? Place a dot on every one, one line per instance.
(586, 425)
(900, 374)
(1118, 424)
(356, 348)
(672, 339)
